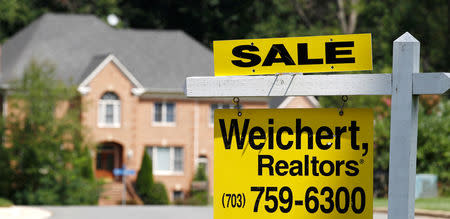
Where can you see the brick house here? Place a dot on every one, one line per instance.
(132, 84)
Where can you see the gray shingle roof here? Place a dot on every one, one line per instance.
(159, 59)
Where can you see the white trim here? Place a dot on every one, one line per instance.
(219, 106)
(196, 131)
(101, 122)
(83, 88)
(285, 102)
(313, 101)
(138, 91)
(171, 171)
(5, 105)
(289, 99)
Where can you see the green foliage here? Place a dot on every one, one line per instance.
(224, 19)
(49, 158)
(5, 202)
(439, 203)
(144, 180)
(6, 173)
(381, 156)
(433, 144)
(197, 198)
(200, 175)
(158, 195)
(16, 14)
(151, 193)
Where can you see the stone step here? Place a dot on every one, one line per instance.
(112, 194)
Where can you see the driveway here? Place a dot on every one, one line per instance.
(119, 212)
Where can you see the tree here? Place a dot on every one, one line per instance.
(16, 14)
(150, 192)
(48, 151)
(144, 180)
(433, 142)
(5, 161)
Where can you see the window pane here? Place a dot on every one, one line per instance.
(110, 96)
(117, 113)
(109, 114)
(170, 112)
(178, 195)
(178, 161)
(150, 152)
(163, 158)
(158, 112)
(228, 106)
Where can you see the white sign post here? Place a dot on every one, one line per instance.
(404, 84)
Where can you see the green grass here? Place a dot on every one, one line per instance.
(440, 203)
(5, 202)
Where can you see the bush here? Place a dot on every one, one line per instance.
(48, 156)
(200, 175)
(151, 193)
(144, 180)
(158, 195)
(197, 198)
(433, 144)
(5, 202)
(6, 173)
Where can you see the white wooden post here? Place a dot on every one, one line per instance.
(403, 147)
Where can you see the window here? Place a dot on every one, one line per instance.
(202, 165)
(109, 111)
(167, 160)
(217, 106)
(164, 113)
(178, 195)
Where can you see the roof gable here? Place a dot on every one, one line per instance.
(98, 64)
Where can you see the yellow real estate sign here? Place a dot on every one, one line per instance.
(293, 163)
(332, 53)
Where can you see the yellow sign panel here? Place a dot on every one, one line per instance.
(293, 54)
(293, 163)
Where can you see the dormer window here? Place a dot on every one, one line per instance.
(109, 111)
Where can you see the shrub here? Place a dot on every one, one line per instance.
(5, 202)
(158, 195)
(200, 175)
(47, 153)
(144, 180)
(197, 198)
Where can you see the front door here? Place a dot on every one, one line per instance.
(109, 156)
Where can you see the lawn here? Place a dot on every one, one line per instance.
(440, 203)
(5, 202)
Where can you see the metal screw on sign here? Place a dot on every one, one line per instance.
(238, 107)
(344, 100)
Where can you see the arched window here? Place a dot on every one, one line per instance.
(109, 110)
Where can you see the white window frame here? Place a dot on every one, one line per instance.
(164, 121)
(219, 106)
(102, 113)
(171, 170)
